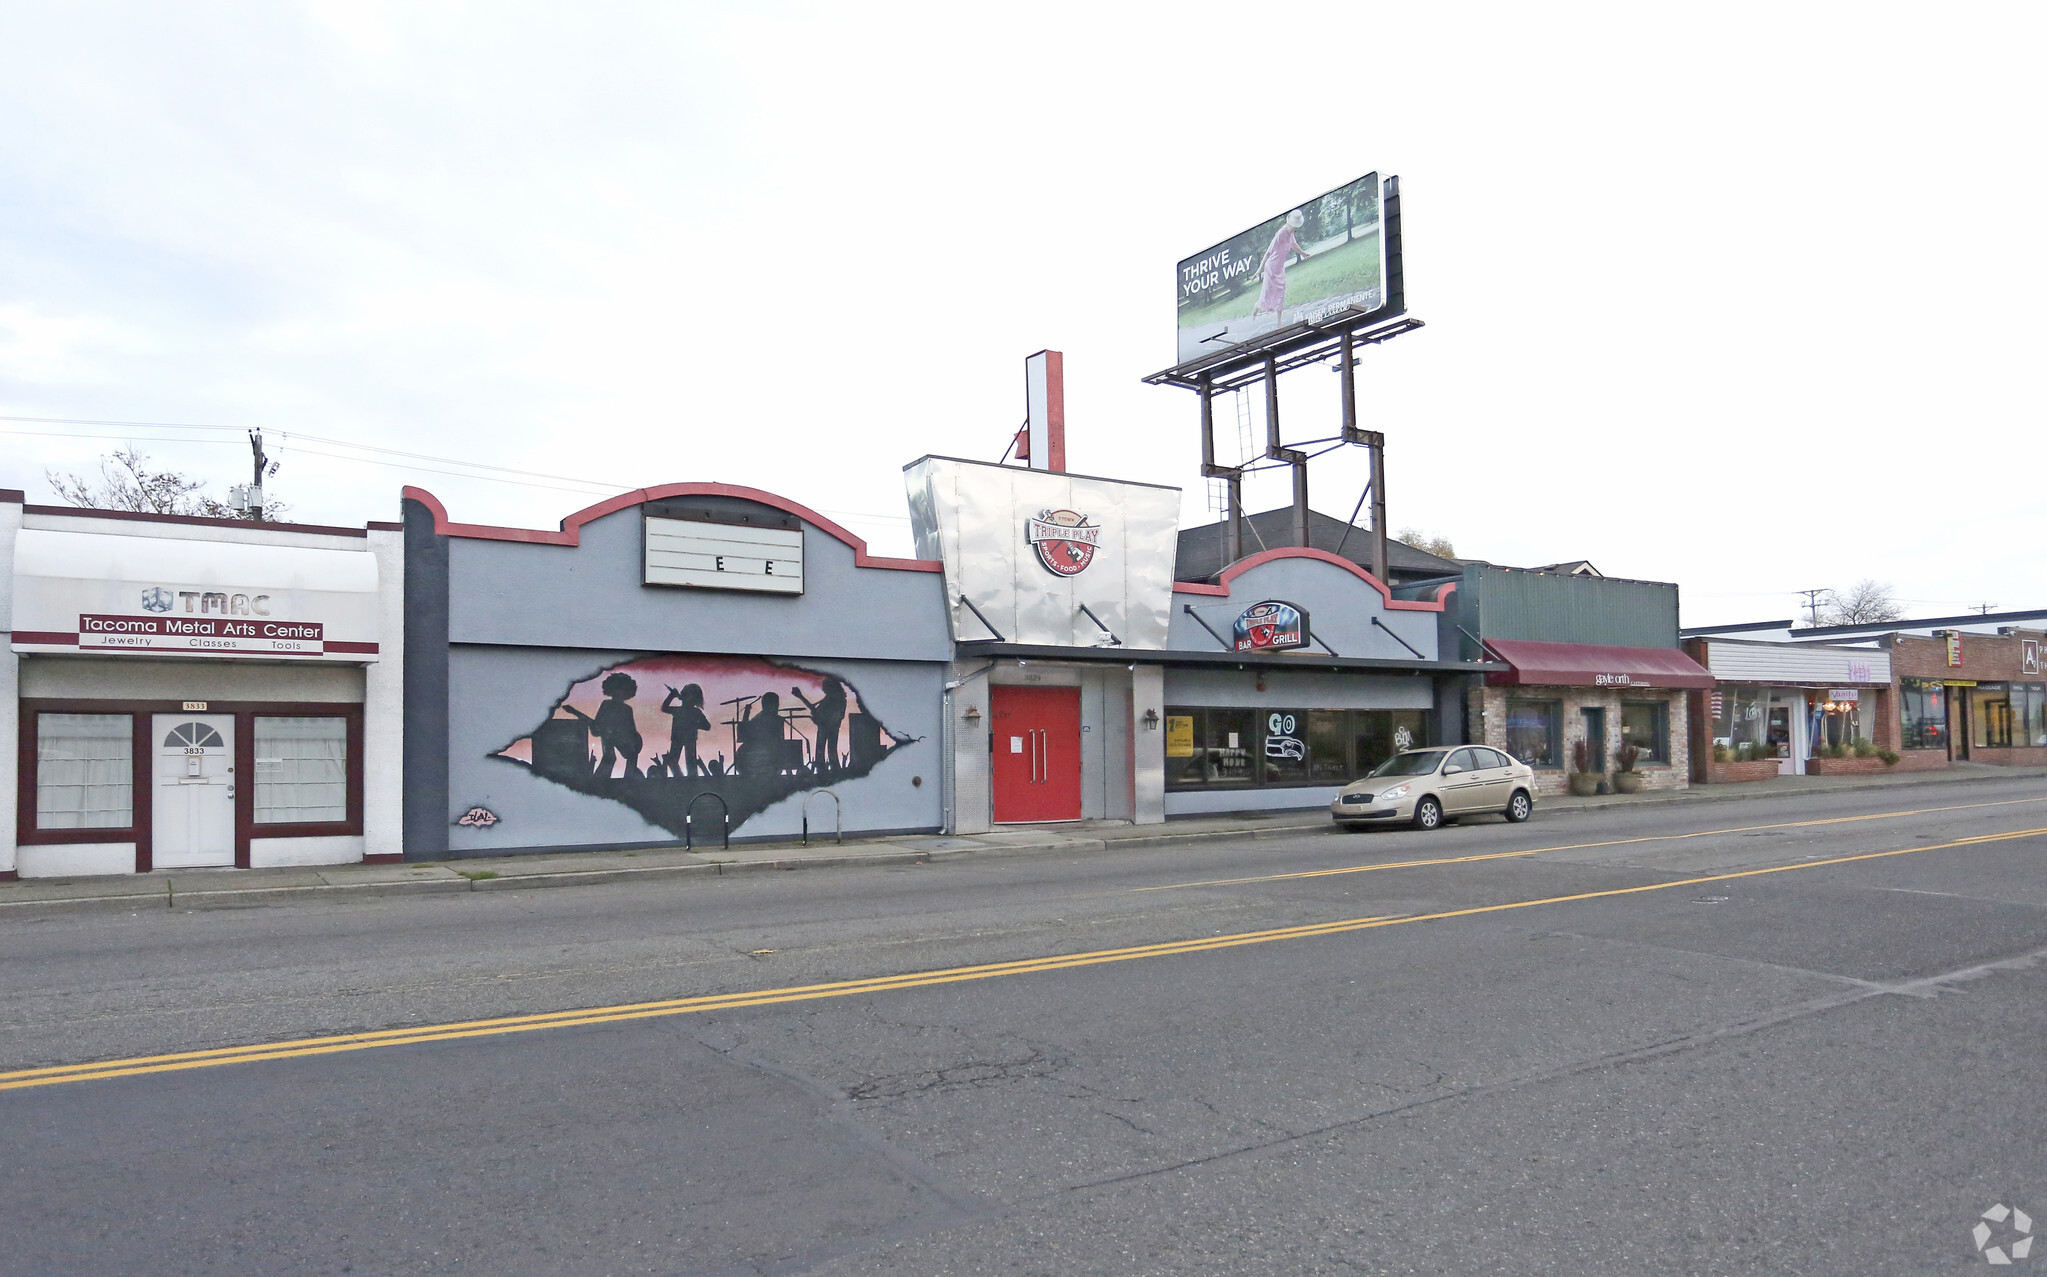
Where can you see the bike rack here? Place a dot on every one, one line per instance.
(689, 816)
(838, 815)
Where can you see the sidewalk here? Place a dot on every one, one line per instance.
(184, 888)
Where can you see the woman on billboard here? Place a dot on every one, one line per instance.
(1272, 296)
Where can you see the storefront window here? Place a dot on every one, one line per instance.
(1646, 726)
(1923, 713)
(1284, 751)
(85, 776)
(1263, 747)
(1379, 734)
(1535, 732)
(1834, 722)
(1185, 759)
(1232, 735)
(1329, 747)
(301, 770)
(1990, 716)
(1742, 718)
(2029, 714)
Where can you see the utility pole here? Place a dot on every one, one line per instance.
(1812, 602)
(1983, 609)
(256, 482)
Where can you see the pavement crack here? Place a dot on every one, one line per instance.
(833, 1108)
(971, 1075)
(1141, 1130)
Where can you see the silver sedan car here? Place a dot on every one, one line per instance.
(1425, 787)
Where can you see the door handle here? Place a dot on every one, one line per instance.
(1041, 755)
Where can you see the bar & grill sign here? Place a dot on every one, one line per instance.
(1271, 626)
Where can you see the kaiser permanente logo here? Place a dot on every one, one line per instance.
(2003, 1234)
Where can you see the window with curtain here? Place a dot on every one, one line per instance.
(301, 770)
(1646, 726)
(85, 771)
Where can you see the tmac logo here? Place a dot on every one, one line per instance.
(159, 598)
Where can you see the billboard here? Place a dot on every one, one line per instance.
(1306, 264)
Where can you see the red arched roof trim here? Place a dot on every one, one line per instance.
(572, 527)
(1241, 566)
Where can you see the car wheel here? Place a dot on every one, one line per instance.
(1520, 807)
(1428, 814)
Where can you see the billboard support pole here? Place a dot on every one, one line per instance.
(1279, 452)
(1232, 476)
(1377, 448)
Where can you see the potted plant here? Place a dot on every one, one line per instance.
(1625, 778)
(1584, 781)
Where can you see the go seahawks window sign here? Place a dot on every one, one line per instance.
(1066, 542)
(1271, 626)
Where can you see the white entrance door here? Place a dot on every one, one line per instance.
(194, 824)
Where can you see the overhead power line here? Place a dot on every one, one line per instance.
(298, 440)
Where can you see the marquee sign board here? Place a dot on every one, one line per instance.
(723, 556)
(1271, 626)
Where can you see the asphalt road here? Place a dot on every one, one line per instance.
(1602, 1043)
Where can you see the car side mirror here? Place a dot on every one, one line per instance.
(1452, 770)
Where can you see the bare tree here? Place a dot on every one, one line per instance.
(1427, 543)
(1867, 603)
(127, 482)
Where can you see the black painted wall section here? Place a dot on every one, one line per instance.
(426, 686)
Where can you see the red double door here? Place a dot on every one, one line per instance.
(1036, 739)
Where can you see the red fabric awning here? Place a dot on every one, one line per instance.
(1587, 665)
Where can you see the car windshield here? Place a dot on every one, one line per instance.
(1416, 764)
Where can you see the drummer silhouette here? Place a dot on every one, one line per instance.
(759, 748)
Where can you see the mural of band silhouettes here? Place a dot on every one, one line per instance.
(654, 733)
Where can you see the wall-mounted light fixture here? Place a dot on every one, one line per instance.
(1151, 720)
(973, 714)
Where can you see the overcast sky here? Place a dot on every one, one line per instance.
(1743, 296)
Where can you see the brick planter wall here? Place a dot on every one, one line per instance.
(1844, 766)
(1922, 760)
(1737, 773)
(2016, 756)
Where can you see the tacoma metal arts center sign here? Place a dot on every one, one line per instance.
(216, 621)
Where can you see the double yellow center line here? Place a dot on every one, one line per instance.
(849, 988)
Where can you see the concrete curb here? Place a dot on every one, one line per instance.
(166, 896)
